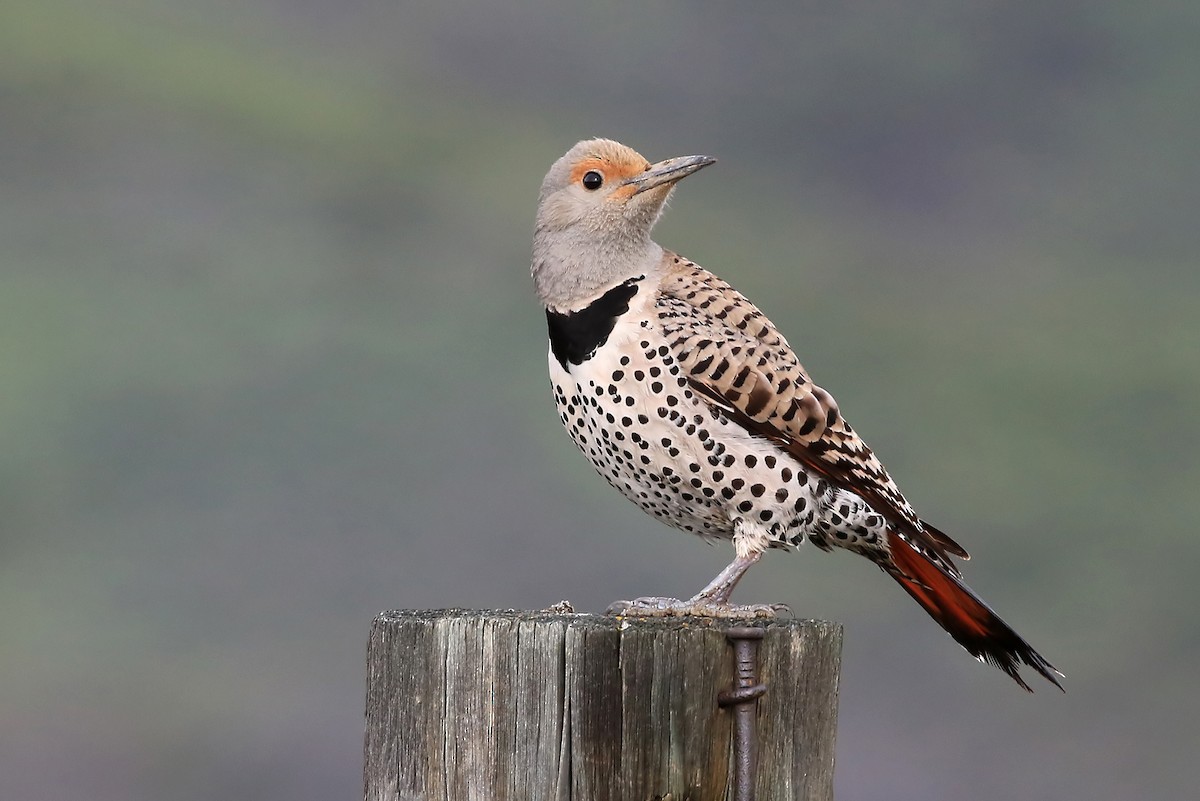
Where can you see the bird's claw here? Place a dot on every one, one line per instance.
(694, 607)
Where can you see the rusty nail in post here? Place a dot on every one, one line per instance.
(742, 697)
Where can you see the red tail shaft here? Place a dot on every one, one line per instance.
(963, 614)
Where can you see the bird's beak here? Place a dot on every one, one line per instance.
(668, 172)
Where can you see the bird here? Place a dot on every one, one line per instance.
(689, 401)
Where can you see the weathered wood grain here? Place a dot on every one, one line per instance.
(569, 707)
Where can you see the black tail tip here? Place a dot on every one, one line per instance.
(1010, 661)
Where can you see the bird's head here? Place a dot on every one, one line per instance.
(597, 206)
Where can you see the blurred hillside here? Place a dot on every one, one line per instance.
(271, 362)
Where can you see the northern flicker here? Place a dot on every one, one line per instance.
(688, 401)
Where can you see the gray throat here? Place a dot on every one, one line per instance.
(569, 274)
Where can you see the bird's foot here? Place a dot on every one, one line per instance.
(699, 606)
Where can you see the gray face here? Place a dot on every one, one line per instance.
(597, 206)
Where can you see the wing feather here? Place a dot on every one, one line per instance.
(738, 360)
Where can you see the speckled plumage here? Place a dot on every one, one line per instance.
(689, 401)
(640, 408)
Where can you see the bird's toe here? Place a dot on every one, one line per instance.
(695, 607)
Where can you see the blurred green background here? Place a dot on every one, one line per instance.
(270, 362)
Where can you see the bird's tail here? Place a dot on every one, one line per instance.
(963, 614)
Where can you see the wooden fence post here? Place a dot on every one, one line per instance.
(545, 706)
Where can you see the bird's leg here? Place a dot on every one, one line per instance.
(721, 587)
(712, 601)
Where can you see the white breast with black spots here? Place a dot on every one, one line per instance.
(630, 411)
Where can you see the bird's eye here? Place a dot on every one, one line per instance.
(592, 180)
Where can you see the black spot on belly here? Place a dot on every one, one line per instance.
(575, 336)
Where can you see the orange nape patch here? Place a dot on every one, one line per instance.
(615, 167)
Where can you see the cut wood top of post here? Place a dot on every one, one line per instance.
(591, 620)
